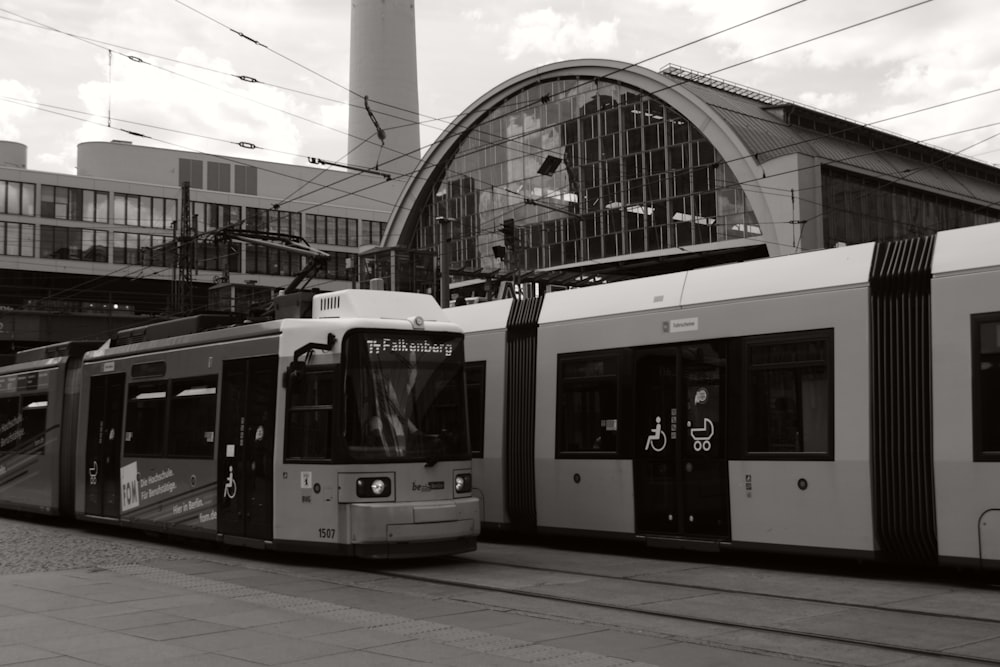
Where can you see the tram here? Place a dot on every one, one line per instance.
(340, 434)
(841, 402)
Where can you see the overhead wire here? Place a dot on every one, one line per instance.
(806, 41)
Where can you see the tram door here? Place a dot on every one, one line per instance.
(246, 447)
(104, 427)
(681, 475)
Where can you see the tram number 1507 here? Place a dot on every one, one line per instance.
(326, 533)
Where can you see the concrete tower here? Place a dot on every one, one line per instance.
(384, 67)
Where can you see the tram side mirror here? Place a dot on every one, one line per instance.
(294, 375)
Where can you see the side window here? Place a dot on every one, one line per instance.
(986, 385)
(10, 423)
(33, 412)
(475, 391)
(789, 390)
(145, 418)
(587, 399)
(310, 417)
(192, 425)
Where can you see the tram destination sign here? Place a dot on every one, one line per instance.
(379, 344)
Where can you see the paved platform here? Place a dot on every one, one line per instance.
(72, 597)
(194, 610)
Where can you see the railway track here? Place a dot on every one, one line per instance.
(830, 619)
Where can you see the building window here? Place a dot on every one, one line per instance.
(218, 176)
(271, 220)
(371, 232)
(347, 232)
(17, 239)
(17, 198)
(986, 386)
(789, 390)
(142, 249)
(587, 404)
(246, 180)
(207, 216)
(74, 204)
(320, 229)
(143, 211)
(189, 171)
(81, 245)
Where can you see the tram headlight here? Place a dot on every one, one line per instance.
(374, 487)
(463, 482)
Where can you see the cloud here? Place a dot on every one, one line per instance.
(556, 35)
(17, 108)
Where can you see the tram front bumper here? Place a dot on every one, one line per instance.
(373, 523)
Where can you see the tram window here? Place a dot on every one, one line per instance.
(588, 404)
(145, 419)
(403, 397)
(33, 412)
(11, 425)
(475, 389)
(986, 386)
(789, 393)
(191, 432)
(310, 417)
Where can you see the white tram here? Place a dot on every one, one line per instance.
(841, 402)
(343, 434)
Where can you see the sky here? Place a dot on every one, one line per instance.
(78, 71)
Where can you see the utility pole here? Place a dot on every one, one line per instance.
(444, 260)
(182, 295)
(513, 245)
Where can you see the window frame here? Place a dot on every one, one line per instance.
(746, 370)
(332, 410)
(156, 446)
(978, 413)
(177, 428)
(615, 378)
(475, 377)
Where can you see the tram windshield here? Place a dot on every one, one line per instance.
(404, 396)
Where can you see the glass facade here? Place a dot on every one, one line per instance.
(17, 239)
(73, 204)
(142, 211)
(17, 198)
(82, 245)
(587, 169)
(209, 217)
(858, 209)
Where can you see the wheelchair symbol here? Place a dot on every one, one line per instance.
(657, 440)
(702, 436)
(230, 490)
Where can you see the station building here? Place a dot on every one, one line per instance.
(567, 175)
(123, 240)
(591, 171)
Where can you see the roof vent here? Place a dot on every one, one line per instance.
(383, 304)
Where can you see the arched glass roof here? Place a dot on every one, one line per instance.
(585, 169)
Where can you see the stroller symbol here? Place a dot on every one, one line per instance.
(93, 473)
(702, 436)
